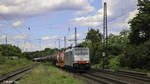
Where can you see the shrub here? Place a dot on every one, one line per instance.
(114, 63)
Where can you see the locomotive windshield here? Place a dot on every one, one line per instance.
(81, 51)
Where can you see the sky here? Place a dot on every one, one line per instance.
(37, 24)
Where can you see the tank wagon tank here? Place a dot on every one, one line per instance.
(60, 59)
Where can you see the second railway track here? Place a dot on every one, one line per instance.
(128, 77)
(110, 77)
(102, 79)
(15, 76)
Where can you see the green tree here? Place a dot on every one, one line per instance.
(9, 50)
(94, 38)
(140, 25)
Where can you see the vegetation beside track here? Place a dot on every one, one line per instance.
(11, 59)
(10, 65)
(48, 74)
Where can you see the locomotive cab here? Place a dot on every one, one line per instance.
(81, 58)
(77, 58)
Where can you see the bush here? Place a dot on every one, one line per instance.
(9, 50)
(137, 56)
(114, 63)
(2, 59)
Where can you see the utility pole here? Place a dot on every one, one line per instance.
(59, 43)
(104, 34)
(88, 29)
(75, 36)
(6, 39)
(64, 42)
(55, 44)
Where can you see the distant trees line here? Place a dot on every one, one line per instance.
(8, 50)
(43, 53)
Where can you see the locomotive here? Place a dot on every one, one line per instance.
(76, 58)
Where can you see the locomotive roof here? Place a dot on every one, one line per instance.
(70, 49)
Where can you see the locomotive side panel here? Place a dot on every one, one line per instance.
(68, 58)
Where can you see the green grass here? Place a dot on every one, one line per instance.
(8, 65)
(48, 74)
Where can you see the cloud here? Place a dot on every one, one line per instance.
(73, 36)
(1, 25)
(27, 8)
(49, 37)
(119, 13)
(29, 47)
(17, 23)
(2, 36)
(48, 46)
(20, 37)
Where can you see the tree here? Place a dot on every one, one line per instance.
(9, 50)
(94, 36)
(140, 25)
(94, 39)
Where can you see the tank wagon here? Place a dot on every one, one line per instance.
(60, 59)
(44, 59)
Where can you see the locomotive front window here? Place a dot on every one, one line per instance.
(85, 51)
(78, 52)
(81, 51)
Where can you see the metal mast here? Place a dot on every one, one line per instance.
(75, 36)
(59, 43)
(105, 23)
(6, 39)
(104, 33)
(64, 42)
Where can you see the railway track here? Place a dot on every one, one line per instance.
(129, 77)
(102, 79)
(15, 76)
(91, 77)
(112, 77)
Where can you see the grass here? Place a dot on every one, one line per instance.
(8, 65)
(48, 74)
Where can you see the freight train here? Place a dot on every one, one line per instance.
(74, 58)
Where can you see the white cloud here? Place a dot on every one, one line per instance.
(119, 13)
(131, 15)
(73, 36)
(20, 37)
(1, 25)
(17, 23)
(49, 37)
(27, 46)
(27, 8)
(2, 36)
(48, 46)
(115, 33)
